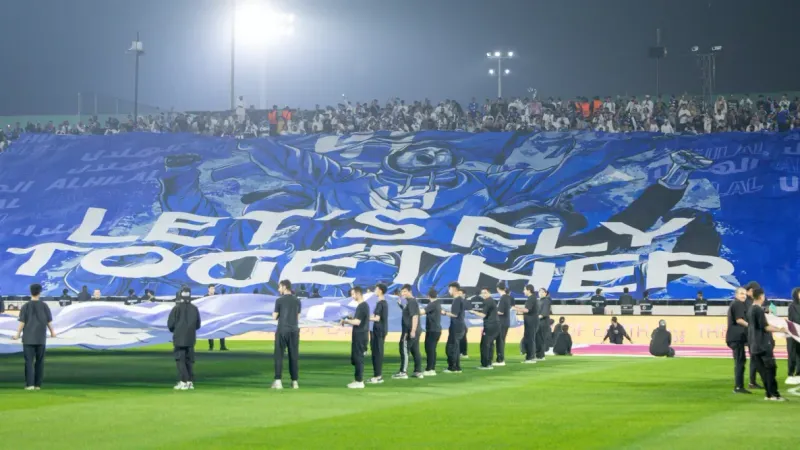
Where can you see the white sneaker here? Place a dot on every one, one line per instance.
(375, 380)
(539, 359)
(529, 361)
(30, 388)
(499, 364)
(418, 375)
(181, 386)
(485, 367)
(465, 356)
(400, 376)
(295, 385)
(277, 384)
(190, 386)
(448, 371)
(429, 373)
(356, 385)
(792, 381)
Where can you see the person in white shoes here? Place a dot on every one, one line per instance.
(409, 338)
(433, 331)
(792, 346)
(380, 328)
(183, 322)
(360, 324)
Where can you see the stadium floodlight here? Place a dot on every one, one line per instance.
(716, 48)
(510, 54)
(497, 54)
(695, 49)
(507, 71)
(491, 71)
(488, 54)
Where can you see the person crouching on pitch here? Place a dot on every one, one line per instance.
(360, 324)
(287, 334)
(409, 338)
(183, 322)
(661, 341)
(491, 328)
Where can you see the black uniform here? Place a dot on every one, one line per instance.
(409, 343)
(433, 331)
(598, 304)
(35, 314)
(749, 303)
(543, 329)
(473, 304)
(660, 343)
(64, 300)
(84, 296)
(287, 335)
(762, 347)
(504, 317)
(614, 334)
(736, 338)
(491, 328)
(455, 334)
(132, 300)
(183, 322)
(563, 345)
(792, 346)
(378, 337)
(359, 342)
(531, 322)
(626, 303)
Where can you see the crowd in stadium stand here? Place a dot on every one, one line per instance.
(682, 114)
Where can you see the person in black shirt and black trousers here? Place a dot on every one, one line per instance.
(749, 287)
(736, 338)
(661, 341)
(563, 344)
(762, 345)
(380, 328)
(433, 331)
(504, 315)
(474, 303)
(491, 327)
(543, 328)
(212, 290)
(287, 334)
(35, 319)
(616, 332)
(598, 303)
(65, 299)
(530, 315)
(183, 322)
(457, 328)
(360, 323)
(792, 346)
(626, 303)
(409, 337)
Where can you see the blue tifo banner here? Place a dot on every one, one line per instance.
(567, 211)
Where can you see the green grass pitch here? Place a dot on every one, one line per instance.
(124, 400)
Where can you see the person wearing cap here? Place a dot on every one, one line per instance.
(183, 323)
(661, 341)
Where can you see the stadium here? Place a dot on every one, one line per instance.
(308, 270)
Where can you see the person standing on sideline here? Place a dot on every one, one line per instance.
(474, 303)
(457, 328)
(409, 337)
(563, 344)
(491, 328)
(212, 290)
(433, 331)
(504, 317)
(792, 346)
(35, 319)
(380, 328)
(661, 341)
(530, 320)
(750, 287)
(616, 332)
(287, 334)
(358, 345)
(183, 323)
(736, 338)
(543, 329)
(762, 345)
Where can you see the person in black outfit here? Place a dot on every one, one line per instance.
(491, 328)
(183, 323)
(530, 316)
(543, 328)
(302, 293)
(762, 345)
(475, 303)
(749, 287)
(287, 334)
(598, 303)
(616, 332)
(558, 328)
(360, 323)
(504, 316)
(700, 305)
(212, 290)
(626, 302)
(563, 345)
(457, 328)
(792, 346)
(736, 338)
(65, 299)
(83, 295)
(380, 328)
(645, 306)
(34, 319)
(149, 296)
(661, 341)
(433, 331)
(132, 299)
(409, 337)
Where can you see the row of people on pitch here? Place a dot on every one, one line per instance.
(748, 328)
(536, 322)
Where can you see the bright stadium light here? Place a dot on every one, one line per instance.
(695, 49)
(491, 71)
(497, 54)
(510, 54)
(488, 54)
(507, 71)
(257, 24)
(716, 48)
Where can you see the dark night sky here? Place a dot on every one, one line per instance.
(381, 48)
